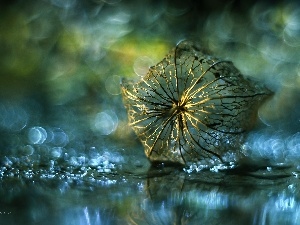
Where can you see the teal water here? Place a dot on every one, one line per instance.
(158, 196)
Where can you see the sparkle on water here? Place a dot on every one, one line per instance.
(192, 107)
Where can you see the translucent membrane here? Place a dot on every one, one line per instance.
(192, 107)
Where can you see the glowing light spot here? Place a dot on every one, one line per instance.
(57, 137)
(285, 203)
(119, 18)
(291, 33)
(27, 150)
(64, 4)
(56, 152)
(37, 135)
(112, 85)
(105, 122)
(293, 146)
(141, 65)
(12, 117)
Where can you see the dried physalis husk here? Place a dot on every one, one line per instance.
(191, 107)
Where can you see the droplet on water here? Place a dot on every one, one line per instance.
(191, 107)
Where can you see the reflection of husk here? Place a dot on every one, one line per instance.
(206, 197)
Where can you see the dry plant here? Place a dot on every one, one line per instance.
(192, 107)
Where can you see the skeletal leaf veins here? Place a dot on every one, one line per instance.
(191, 107)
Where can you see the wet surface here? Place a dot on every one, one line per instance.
(67, 153)
(157, 196)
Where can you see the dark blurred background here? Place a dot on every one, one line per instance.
(62, 62)
(67, 153)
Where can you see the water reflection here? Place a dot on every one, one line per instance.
(165, 197)
(215, 198)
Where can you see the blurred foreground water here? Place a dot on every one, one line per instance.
(67, 154)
